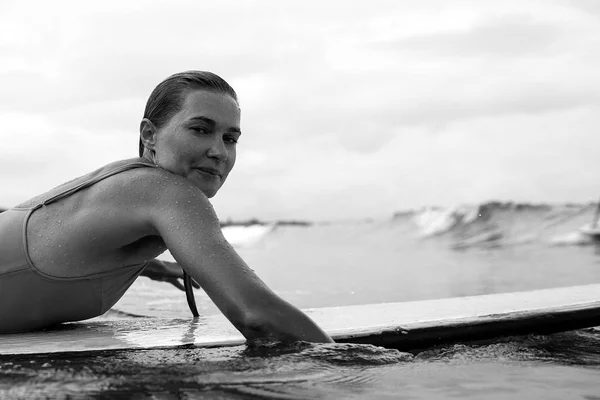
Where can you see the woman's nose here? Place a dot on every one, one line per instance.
(217, 150)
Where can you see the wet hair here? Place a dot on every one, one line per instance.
(167, 98)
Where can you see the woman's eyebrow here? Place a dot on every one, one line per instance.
(204, 119)
(212, 123)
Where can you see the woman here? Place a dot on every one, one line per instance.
(71, 253)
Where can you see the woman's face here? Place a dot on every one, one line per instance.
(199, 142)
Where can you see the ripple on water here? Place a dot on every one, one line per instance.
(555, 366)
(268, 370)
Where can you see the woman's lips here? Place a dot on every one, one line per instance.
(210, 171)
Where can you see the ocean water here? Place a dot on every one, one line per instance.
(425, 254)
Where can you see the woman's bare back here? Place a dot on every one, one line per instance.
(96, 229)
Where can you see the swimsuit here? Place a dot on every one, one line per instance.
(31, 299)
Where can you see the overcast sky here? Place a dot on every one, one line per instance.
(350, 109)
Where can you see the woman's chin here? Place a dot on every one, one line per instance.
(208, 190)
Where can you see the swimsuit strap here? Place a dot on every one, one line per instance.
(95, 179)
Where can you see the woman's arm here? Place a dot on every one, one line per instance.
(187, 223)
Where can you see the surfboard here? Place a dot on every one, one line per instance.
(406, 326)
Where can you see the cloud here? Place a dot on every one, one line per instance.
(363, 111)
(389, 104)
(125, 53)
(503, 36)
(37, 154)
(589, 6)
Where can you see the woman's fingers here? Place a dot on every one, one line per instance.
(167, 271)
(175, 270)
(177, 283)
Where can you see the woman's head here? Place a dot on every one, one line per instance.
(191, 127)
(168, 97)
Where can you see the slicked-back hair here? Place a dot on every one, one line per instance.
(167, 98)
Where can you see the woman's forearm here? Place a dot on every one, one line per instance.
(283, 321)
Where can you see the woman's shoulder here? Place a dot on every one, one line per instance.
(156, 179)
(155, 194)
(156, 185)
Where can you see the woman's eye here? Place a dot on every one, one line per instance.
(200, 130)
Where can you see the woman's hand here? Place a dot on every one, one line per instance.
(166, 271)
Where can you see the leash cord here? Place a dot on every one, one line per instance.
(189, 294)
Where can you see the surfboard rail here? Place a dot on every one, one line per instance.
(418, 336)
(406, 326)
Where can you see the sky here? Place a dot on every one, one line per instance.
(350, 109)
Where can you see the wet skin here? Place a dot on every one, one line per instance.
(197, 146)
(133, 216)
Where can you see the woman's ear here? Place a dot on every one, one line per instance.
(148, 134)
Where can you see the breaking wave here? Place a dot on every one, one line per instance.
(496, 224)
(244, 236)
(489, 225)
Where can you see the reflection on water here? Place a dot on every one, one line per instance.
(560, 366)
